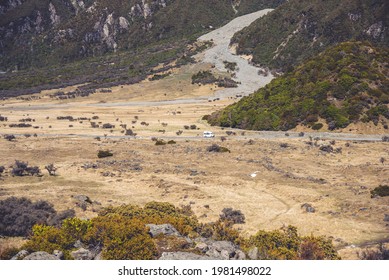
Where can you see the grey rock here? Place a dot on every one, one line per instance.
(224, 250)
(82, 254)
(41, 256)
(165, 229)
(203, 247)
(308, 208)
(82, 198)
(98, 256)
(58, 254)
(183, 256)
(78, 244)
(240, 255)
(20, 255)
(253, 253)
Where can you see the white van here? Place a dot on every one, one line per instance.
(208, 134)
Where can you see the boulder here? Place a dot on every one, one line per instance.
(58, 254)
(165, 229)
(83, 198)
(224, 250)
(183, 256)
(20, 255)
(253, 253)
(41, 256)
(308, 208)
(82, 254)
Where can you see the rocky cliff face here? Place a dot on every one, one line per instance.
(74, 27)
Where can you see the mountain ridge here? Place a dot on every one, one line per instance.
(345, 84)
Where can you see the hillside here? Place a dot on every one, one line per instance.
(299, 30)
(50, 32)
(346, 83)
(38, 33)
(55, 43)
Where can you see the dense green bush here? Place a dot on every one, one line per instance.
(288, 245)
(103, 154)
(381, 190)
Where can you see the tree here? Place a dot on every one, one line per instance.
(9, 137)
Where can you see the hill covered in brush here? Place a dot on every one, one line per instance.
(300, 29)
(345, 84)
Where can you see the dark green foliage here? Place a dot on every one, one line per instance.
(18, 215)
(203, 77)
(309, 92)
(206, 77)
(287, 244)
(317, 126)
(298, 30)
(160, 142)
(230, 65)
(381, 190)
(232, 216)
(103, 154)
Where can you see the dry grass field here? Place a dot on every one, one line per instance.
(289, 171)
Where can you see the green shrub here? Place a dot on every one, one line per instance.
(103, 154)
(286, 244)
(160, 142)
(381, 190)
(317, 126)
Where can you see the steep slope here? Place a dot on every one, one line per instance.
(346, 83)
(299, 29)
(36, 33)
(47, 32)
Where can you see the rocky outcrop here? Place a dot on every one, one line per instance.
(41, 256)
(183, 256)
(165, 229)
(82, 254)
(224, 250)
